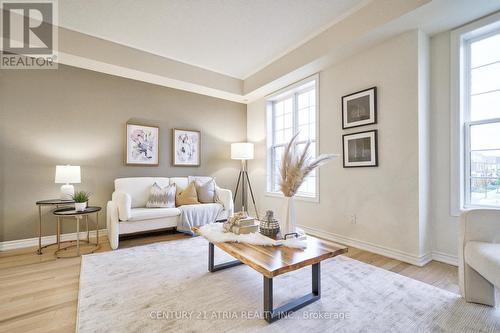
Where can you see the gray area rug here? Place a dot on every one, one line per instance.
(165, 287)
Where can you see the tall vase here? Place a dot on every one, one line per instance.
(287, 223)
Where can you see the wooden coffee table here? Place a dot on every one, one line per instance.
(272, 261)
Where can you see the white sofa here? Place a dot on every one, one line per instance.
(127, 212)
(479, 256)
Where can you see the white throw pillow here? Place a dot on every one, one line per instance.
(205, 188)
(161, 197)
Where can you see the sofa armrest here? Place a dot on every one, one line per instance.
(124, 203)
(481, 225)
(461, 252)
(226, 199)
(112, 224)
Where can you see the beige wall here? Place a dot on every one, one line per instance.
(385, 199)
(74, 116)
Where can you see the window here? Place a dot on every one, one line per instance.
(481, 118)
(290, 111)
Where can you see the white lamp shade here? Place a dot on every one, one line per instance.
(242, 151)
(67, 174)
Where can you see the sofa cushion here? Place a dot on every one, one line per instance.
(485, 259)
(138, 188)
(153, 213)
(180, 182)
(187, 197)
(161, 197)
(205, 190)
(201, 179)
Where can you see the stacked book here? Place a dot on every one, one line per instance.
(245, 226)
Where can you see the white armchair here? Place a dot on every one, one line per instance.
(127, 212)
(479, 255)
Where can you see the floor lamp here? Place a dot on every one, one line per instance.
(243, 151)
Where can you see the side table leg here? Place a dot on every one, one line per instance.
(39, 229)
(77, 236)
(58, 233)
(97, 227)
(88, 231)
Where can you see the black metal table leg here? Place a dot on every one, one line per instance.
(271, 315)
(212, 267)
(316, 279)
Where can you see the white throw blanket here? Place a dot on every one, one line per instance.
(198, 215)
(215, 234)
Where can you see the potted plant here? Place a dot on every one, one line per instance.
(80, 198)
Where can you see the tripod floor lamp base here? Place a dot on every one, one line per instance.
(243, 151)
(242, 181)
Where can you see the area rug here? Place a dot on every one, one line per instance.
(165, 287)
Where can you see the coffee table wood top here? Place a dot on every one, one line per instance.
(272, 261)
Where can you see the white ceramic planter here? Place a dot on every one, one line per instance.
(287, 223)
(80, 206)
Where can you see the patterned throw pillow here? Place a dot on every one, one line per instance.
(187, 197)
(161, 197)
(206, 191)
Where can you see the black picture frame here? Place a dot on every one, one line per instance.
(372, 96)
(373, 149)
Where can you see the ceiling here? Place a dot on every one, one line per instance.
(232, 37)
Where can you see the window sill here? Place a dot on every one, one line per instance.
(469, 207)
(297, 197)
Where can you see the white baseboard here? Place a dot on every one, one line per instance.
(371, 247)
(30, 242)
(363, 245)
(445, 258)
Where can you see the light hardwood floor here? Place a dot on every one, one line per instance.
(39, 293)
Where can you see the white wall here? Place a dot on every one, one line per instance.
(425, 242)
(385, 199)
(445, 226)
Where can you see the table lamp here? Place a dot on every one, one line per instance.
(243, 151)
(67, 174)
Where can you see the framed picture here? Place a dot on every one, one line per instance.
(360, 149)
(142, 145)
(186, 150)
(360, 108)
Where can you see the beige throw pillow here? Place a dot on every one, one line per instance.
(161, 197)
(188, 196)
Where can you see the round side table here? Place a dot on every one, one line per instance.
(50, 203)
(71, 213)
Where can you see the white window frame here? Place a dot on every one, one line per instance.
(460, 41)
(273, 98)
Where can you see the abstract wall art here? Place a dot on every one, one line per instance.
(186, 148)
(142, 145)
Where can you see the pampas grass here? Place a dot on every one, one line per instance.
(296, 166)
